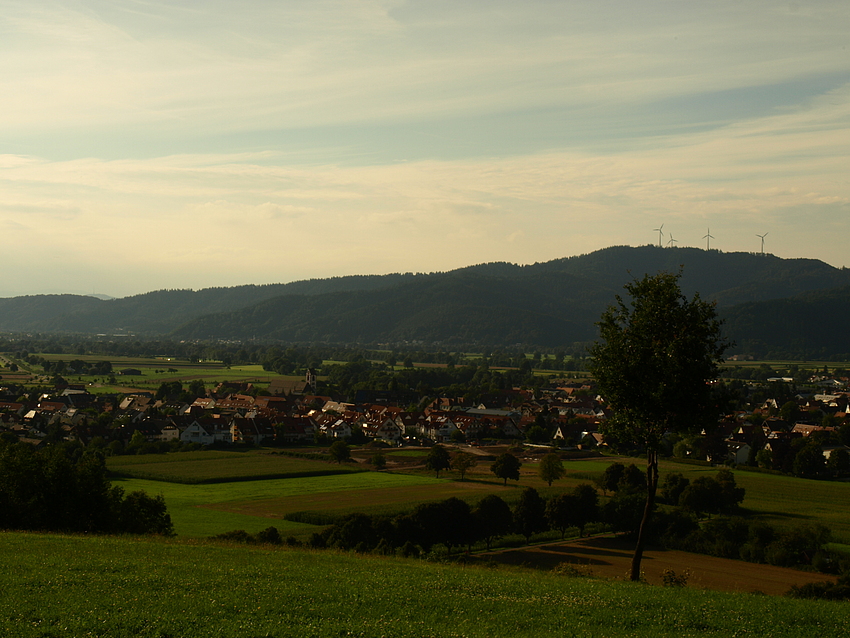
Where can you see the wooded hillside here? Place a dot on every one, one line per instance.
(551, 304)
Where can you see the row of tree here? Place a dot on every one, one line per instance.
(506, 466)
(717, 494)
(453, 523)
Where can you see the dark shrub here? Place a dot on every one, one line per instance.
(270, 536)
(234, 536)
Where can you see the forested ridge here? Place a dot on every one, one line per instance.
(772, 306)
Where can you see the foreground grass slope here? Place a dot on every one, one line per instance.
(99, 586)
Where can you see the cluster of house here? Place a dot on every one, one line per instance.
(741, 436)
(290, 414)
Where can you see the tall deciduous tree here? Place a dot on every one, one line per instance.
(551, 468)
(530, 513)
(702, 496)
(809, 461)
(438, 459)
(559, 512)
(586, 502)
(458, 526)
(674, 485)
(339, 451)
(493, 518)
(653, 362)
(839, 462)
(575, 509)
(462, 461)
(506, 466)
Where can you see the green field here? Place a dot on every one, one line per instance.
(230, 501)
(156, 370)
(208, 466)
(206, 510)
(146, 588)
(207, 492)
(57, 585)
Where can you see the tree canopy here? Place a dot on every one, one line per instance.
(529, 513)
(462, 461)
(493, 518)
(506, 466)
(438, 459)
(49, 490)
(551, 468)
(654, 361)
(339, 451)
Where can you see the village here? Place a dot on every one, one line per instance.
(565, 413)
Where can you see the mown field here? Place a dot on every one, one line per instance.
(142, 588)
(220, 466)
(206, 510)
(187, 586)
(208, 492)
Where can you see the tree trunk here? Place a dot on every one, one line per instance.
(651, 486)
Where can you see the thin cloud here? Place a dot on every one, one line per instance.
(310, 64)
(239, 129)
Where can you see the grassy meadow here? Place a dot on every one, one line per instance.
(209, 509)
(57, 585)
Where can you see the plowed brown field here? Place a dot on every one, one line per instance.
(608, 557)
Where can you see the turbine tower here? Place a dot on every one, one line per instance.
(672, 241)
(660, 235)
(708, 237)
(762, 241)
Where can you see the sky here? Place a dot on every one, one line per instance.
(148, 145)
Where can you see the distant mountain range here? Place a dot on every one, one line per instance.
(771, 305)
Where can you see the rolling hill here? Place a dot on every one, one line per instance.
(769, 303)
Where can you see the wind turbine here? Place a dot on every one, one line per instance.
(670, 243)
(660, 235)
(762, 241)
(708, 237)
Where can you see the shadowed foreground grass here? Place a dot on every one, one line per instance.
(98, 586)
